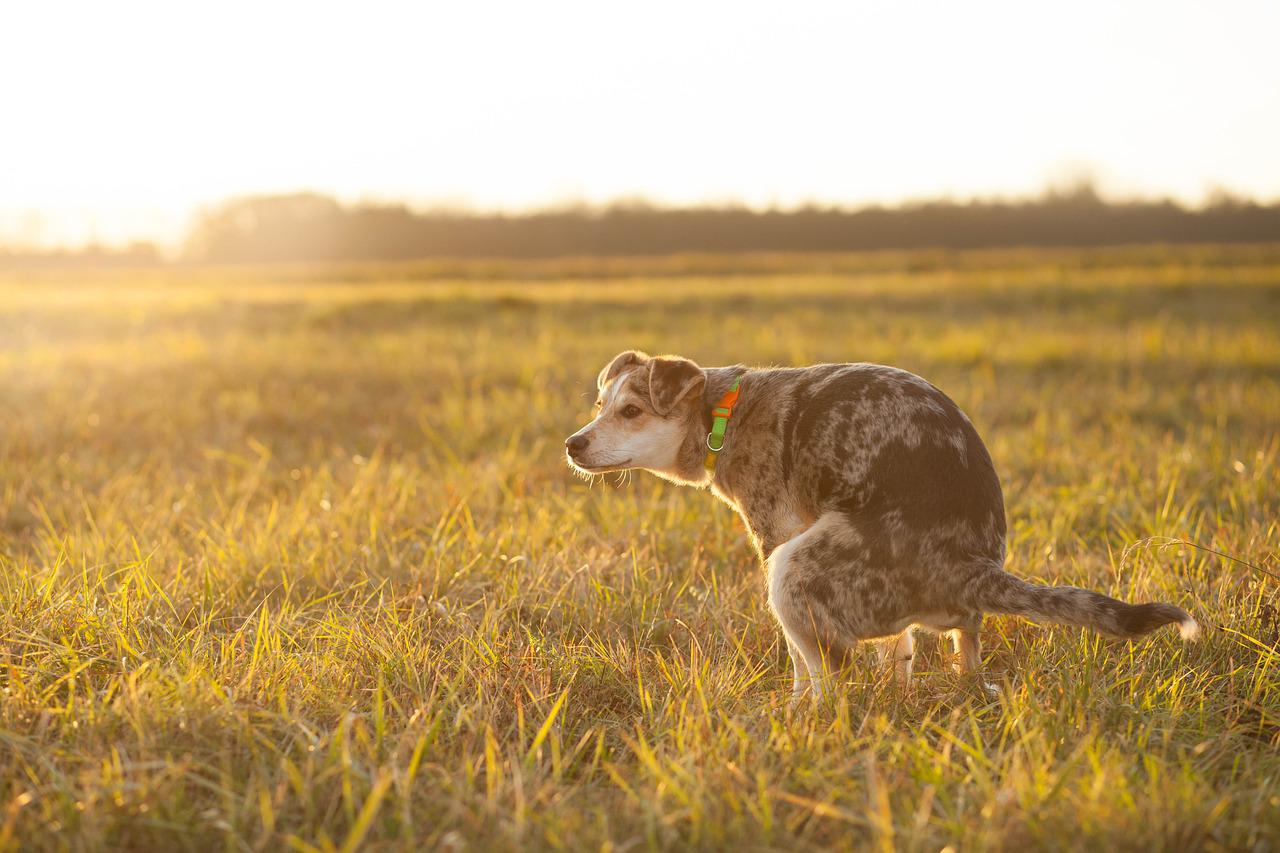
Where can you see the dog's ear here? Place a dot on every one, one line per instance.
(671, 380)
(620, 362)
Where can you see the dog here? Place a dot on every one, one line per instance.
(869, 497)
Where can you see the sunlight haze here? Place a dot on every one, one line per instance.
(122, 119)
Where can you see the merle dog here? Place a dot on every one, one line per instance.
(868, 494)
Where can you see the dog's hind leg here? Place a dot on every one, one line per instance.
(968, 643)
(900, 650)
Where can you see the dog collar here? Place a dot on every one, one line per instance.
(720, 422)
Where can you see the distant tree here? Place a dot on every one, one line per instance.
(136, 254)
(268, 228)
(310, 227)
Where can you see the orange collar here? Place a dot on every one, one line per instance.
(719, 423)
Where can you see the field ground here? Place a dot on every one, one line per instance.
(290, 557)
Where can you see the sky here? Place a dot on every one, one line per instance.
(119, 120)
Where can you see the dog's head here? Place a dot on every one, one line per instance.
(646, 410)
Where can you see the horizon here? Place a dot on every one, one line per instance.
(1069, 192)
(722, 104)
(579, 206)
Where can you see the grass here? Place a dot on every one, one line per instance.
(290, 558)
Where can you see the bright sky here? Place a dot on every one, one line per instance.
(118, 119)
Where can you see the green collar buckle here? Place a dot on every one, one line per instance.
(720, 422)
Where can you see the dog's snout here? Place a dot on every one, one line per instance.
(575, 444)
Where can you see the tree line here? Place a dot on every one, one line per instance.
(308, 227)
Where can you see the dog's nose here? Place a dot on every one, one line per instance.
(576, 444)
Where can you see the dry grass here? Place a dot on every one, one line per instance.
(291, 557)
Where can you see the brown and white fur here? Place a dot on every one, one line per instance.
(871, 499)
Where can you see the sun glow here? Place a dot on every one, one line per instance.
(120, 119)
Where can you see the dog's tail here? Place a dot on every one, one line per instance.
(1001, 592)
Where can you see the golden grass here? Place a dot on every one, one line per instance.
(290, 557)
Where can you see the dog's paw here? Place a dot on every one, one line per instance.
(979, 687)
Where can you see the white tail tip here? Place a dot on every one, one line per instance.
(1189, 629)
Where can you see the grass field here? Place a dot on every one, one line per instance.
(291, 558)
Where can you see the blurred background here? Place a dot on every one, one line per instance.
(148, 132)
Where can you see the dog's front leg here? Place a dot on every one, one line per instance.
(808, 662)
(799, 674)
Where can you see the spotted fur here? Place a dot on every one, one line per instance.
(868, 494)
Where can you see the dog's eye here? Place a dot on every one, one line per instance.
(631, 411)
